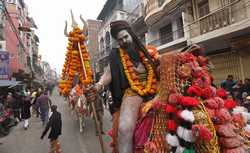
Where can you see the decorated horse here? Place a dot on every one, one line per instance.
(77, 64)
(188, 114)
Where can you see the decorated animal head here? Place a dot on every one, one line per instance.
(74, 24)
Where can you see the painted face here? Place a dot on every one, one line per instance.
(124, 39)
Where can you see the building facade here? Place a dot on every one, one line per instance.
(164, 19)
(222, 27)
(136, 20)
(92, 42)
(17, 37)
(112, 10)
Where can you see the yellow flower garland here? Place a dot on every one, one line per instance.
(142, 90)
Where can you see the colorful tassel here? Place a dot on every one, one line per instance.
(172, 140)
(201, 132)
(194, 91)
(188, 151)
(189, 101)
(185, 134)
(179, 149)
(170, 108)
(230, 104)
(187, 115)
(171, 125)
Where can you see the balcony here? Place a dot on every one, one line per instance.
(152, 5)
(227, 15)
(135, 14)
(155, 9)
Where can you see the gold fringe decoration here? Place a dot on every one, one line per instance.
(202, 117)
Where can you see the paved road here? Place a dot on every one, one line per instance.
(72, 141)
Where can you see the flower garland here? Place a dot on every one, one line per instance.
(73, 63)
(133, 79)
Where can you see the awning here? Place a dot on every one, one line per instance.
(9, 83)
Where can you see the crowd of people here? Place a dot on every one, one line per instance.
(19, 103)
(239, 90)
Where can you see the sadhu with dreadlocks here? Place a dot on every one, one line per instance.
(131, 77)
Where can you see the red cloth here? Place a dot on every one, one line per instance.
(225, 130)
(223, 115)
(142, 131)
(230, 142)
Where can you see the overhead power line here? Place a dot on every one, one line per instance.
(9, 19)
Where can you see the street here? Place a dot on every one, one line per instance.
(71, 140)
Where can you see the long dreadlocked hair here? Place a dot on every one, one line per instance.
(142, 48)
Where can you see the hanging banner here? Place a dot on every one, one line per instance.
(4, 65)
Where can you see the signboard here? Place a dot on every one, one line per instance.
(4, 65)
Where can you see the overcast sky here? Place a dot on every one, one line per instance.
(50, 16)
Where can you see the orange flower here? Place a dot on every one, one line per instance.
(133, 79)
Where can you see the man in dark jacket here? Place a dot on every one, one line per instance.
(55, 124)
(25, 110)
(228, 84)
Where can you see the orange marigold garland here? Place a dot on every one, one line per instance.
(150, 87)
(73, 64)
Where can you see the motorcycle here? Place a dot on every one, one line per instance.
(6, 123)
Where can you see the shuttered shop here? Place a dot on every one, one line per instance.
(226, 63)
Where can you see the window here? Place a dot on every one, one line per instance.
(203, 8)
(166, 34)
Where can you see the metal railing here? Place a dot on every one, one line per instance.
(228, 14)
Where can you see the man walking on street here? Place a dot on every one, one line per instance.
(55, 124)
(44, 104)
(25, 109)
